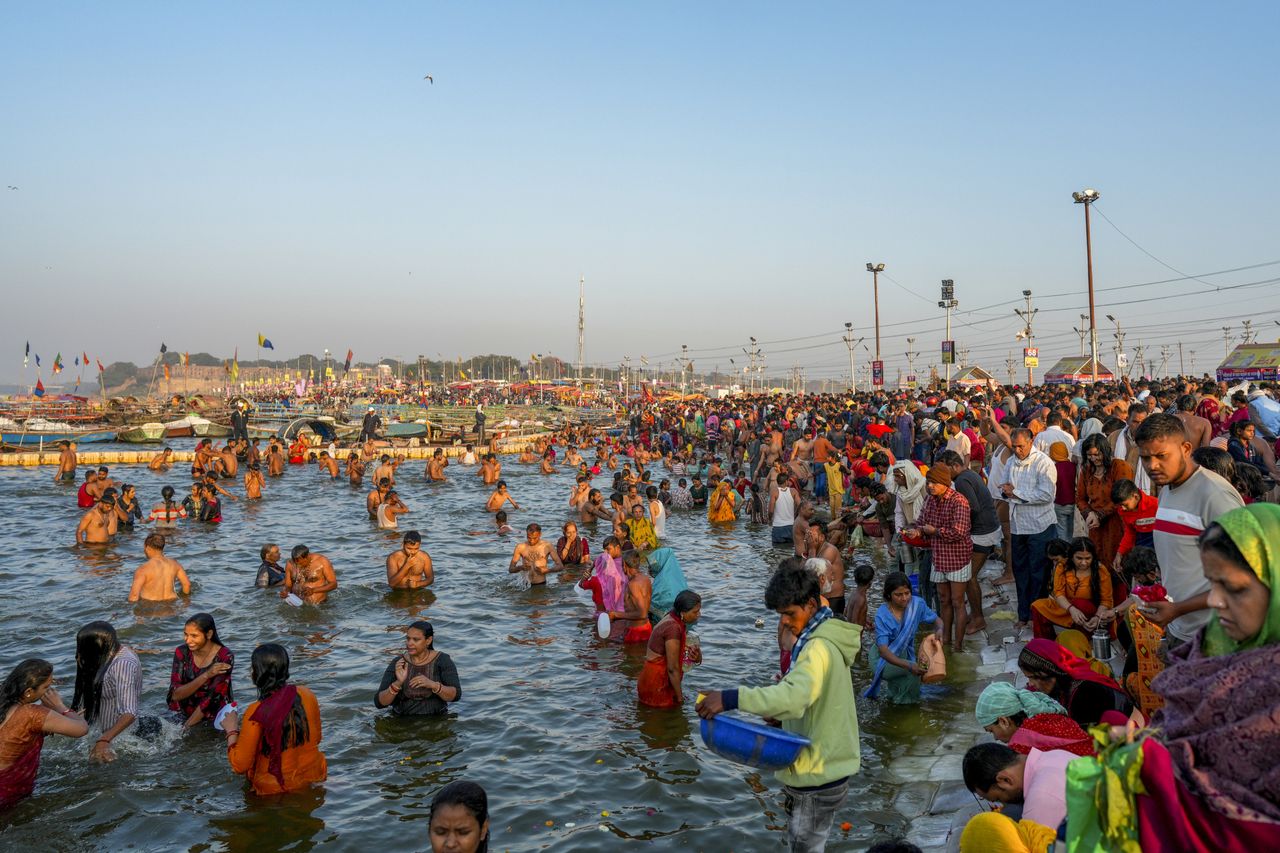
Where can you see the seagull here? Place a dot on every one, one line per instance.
(429, 80)
(12, 187)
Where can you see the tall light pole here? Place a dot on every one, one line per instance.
(1088, 197)
(1083, 332)
(948, 302)
(1119, 346)
(1027, 316)
(875, 270)
(850, 343)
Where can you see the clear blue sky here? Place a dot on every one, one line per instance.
(197, 175)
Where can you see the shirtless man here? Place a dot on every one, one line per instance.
(500, 497)
(98, 524)
(833, 579)
(391, 509)
(253, 482)
(410, 567)
(154, 579)
(275, 459)
(436, 466)
(251, 452)
(581, 489)
(66, 463)
(499, 522)
(211, 482)
(308, 576)
(631, 499)
(546, 467)
(800, 529)
(376, 497)
(632, 624)
(526, 456)
(387, 469)
(162, 461)
(204, 458)
(799, 465)
(230, 463)
(572, 457)
(355, 469)
(490, 470)
(100, 484)
(593, 508)
(326, 464)
(532, 556)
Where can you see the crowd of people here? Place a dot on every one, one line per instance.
(1136, 526)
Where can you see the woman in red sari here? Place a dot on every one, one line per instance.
(1087, 695)
(30, 709)
(660, 682)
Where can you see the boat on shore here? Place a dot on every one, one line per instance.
(194, 425)
(149, 433)
(39, 431)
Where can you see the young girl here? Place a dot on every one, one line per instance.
(1082, 593)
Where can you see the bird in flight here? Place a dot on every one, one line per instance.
(429, 80)
(12, 187)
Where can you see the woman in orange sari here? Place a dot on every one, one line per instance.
(1097, 473)
(660, 682)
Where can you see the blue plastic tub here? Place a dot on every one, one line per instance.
(914, 579)
(750, 743)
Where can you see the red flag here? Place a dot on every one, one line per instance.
(86, 358)
(347, 365)
(101, 369)
(39, 389)
(166, 373)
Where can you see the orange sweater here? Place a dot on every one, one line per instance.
(300, 765)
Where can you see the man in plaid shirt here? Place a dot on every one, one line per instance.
(1030, 487)
(945, 522)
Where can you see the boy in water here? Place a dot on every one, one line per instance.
(533, 555)
(855, 609)
(410, 567)
(154, 579)
(500, 497)
(499, 522)
(66, 463)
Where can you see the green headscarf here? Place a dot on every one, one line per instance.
(1002, 699)
(1255, 531)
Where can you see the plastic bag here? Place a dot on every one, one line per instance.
(857, 538)
(933, 660)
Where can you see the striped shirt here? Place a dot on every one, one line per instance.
(1035, 485)
(1184, 512)
(121, 687)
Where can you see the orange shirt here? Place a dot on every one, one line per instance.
(1070, 584)
(300, 765)
(822, 449)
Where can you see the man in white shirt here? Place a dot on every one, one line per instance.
(1031, 484)
(1038, 780)
(958, 441)
(1125, 446)
(1053, 432)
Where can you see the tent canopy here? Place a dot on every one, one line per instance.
(1251, 362)
(974, 376)
(1075, 369)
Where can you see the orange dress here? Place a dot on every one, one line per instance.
(301, 765)
(1094, 495)
(1076, 588)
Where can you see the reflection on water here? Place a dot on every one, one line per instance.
(549, 721)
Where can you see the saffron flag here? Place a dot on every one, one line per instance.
(263, 342)
(186, 359)
(85, 357)
(57, 364)
(166, 373)
(39, 389)
(346, 365)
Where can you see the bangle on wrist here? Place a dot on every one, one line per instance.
(102, 740)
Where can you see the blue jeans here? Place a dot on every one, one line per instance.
(1029, 563)
(1066, 521)
(810, 814)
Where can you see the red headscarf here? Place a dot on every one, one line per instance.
(271, 715)
(1047, 656)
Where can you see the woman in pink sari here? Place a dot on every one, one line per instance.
(30, 709)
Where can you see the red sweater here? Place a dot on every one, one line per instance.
(1141, 520)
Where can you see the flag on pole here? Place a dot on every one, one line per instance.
(101, 369)
(39, 389)
(163, 349)
(166, 373)
(37, 359)
(26, 355)
(85, 357)
(235, 366)
(186, 359)
(263, 342)
(57, 364)
(346, 366)
(77, 361)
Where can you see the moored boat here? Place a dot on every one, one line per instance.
(149, 433)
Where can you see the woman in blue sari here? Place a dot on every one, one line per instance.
(897, 622)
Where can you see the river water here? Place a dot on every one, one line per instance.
(549, 721)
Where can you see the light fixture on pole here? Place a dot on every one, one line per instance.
(852, 345)
(1088, 197)
(948, 302)
(875, 270)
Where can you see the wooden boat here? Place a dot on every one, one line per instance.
(406, 430)
(150, 433)
(194, 425)
(38, 431)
